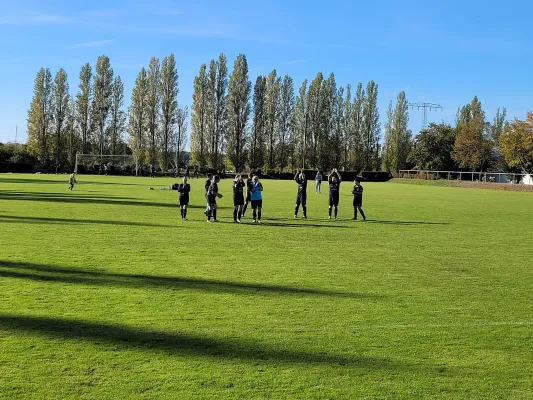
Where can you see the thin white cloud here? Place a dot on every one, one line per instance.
(298, 61)
(51, 19)
(168, 12)
(105, 13)
(195, 32)
(93, 43)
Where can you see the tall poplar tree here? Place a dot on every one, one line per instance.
(347, 128)
(286, 122)
(117, 125)
(83, 106)
(101, 102)
(257, 138)
(388, 138)
(273, 84)
(60, 112)
(220, 113)
(180, 134)
(357, 133)
(370, 131)
(138, 118)
(301, 127)
(199, 124)
(316, 123)
(152, 108)
(168, 87)
(40, 115)
(238, 112)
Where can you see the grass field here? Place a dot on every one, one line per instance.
(105, 293)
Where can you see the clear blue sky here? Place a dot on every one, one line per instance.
(442, 52)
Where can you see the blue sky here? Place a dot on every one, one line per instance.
(441, 52)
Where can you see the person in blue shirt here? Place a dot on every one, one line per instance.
(334, 179)
(257, 199)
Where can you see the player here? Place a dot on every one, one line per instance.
(334, 180)
(184, 189)
(238, 198)
(249, 186)
(212, 195)
(318, 181)
(301, 197)
(358, 199)
(206, 186)
(72, 181)
(257, 199)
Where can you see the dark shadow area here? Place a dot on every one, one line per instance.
(64, 181)
(181, 343)
(304, 224)
(374, 221)
(330, 222)
(46, 273)
(73, 198)
(42, 220)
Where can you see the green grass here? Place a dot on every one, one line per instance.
(104, 293)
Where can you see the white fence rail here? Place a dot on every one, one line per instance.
(496, 177)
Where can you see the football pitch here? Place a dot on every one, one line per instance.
(106, 294)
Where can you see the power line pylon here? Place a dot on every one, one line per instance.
(425, 107)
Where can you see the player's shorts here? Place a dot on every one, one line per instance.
(301, 199)
(212, 200)
(238, 200)
(184, 200)
(257, 203)
(358, 201)
(334, 201)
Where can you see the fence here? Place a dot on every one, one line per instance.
(495, 177)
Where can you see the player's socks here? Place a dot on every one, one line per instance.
(305, 212)
(336, 212)
(329, 211)
(363, 214)
(355, 213)
(254, 215)
(181, 213)
(259, 215)
(184, 213)
(296, 211)
(215, 214)
(235, 215)
(239, 214)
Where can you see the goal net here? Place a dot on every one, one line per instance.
(100, 164)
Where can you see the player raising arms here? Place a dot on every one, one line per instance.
(212, 195)
(184, 190)
(358, 199)
(257, 199)
(238, 197)
(334, 180)
(301, 196)
(249, 186)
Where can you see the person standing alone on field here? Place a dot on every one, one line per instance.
(358, 199)
(238, 198)
(71, 181)
(301, 196)
(257, 199)
(334, 180)
(318, 181)
(184, 189)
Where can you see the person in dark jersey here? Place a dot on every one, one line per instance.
(184, 189)
(206, 186)
(257, 199)
(358, 199)
(301, 196)
(212, 195)
(238, 198)
(187, 172)
(334, 180)
(249, 186)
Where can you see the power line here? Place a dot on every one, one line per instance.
(425, 107)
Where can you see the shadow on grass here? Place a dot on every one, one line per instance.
(43, 220)
(77, 199)
(181, 343)
(331, 223)
(47, 273)
(64, 181)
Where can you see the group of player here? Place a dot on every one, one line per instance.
(251, 192)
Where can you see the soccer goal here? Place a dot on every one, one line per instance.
(119, 164)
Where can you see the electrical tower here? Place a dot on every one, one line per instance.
(425, 107)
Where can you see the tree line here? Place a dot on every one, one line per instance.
(267, 125)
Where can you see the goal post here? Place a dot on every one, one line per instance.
(121, 164)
